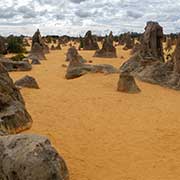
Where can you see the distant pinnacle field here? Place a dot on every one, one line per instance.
(104, 134)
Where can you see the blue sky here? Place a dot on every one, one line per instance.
(74, 17)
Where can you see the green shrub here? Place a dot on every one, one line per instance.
(18, 57)
(15, 44)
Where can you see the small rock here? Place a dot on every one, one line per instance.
(35, 61)
(127, 84)
(28, 82)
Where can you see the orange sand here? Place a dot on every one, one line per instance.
(101, 133)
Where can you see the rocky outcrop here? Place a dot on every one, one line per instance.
(15, 65)
(14, 117)
(108, 50)
(77, 68)
(39, 48)
(39, 40)
(30, 157)
(35, 61)
(37, 52)
(127, 84)
(89, 42)
(152, 47)
(128, 41)
(148, 64)
(28, 82)
(136, 48)
(72, 54)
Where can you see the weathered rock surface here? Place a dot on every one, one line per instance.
(77, 68)
(35, 61)
(136, 48)
(30, 157)
(28, 82)
(127, 84)
(14, 117)
(72, 53)
(37, 52)
(15, 65)
(89, 42)
(129, 42)
(166, 74)
(39, 40)
(152, 47)
(108, 50)
(39, 48)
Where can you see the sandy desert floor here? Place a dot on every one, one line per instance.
(101, 133)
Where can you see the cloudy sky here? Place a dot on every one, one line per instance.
(74, 17)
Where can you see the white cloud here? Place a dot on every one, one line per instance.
(75, 17)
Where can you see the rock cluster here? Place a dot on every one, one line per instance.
(78, 68)
(148, 64)
(15, 65)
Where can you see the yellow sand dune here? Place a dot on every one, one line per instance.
(101, 133)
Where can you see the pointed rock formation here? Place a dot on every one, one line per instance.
(89, 42)
(152, 47)
(128, 41)
(37, 52)
(127, 84)
(108, 50)
(73, 56)
(39, 48)
(28, 82)
(148, 64)
(14, 117)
